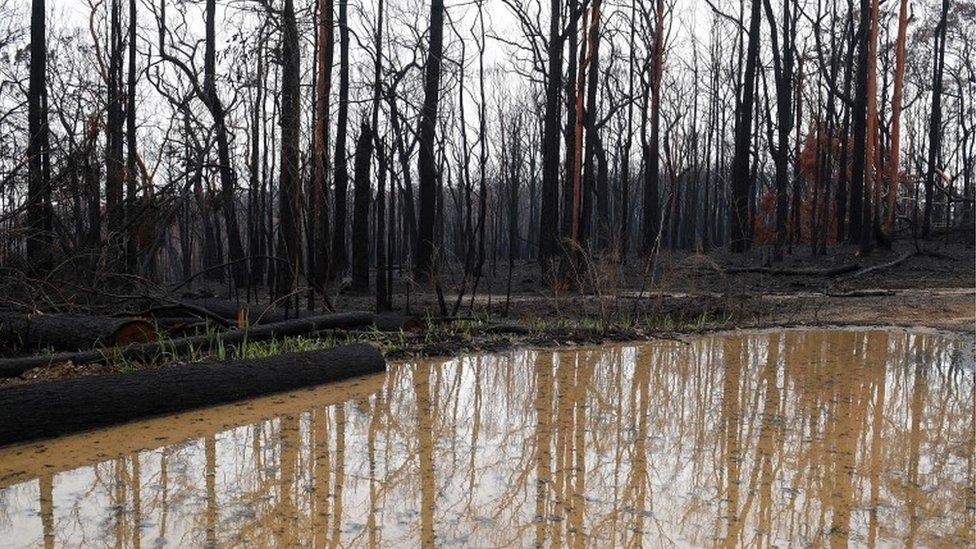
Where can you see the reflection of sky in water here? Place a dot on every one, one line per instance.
(747, 440)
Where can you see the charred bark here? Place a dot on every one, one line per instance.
(148, 351)
(360, 212)
(549, 209)
(427, 171)
(741, 180)
(85, 403)
(72, 332)
(290, 190)
(39, 213)
(340, 259)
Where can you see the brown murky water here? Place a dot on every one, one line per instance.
(777, 438)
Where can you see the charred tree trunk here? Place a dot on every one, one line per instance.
(426, 168)
(360, 211)
(289, 194)
(482, 152)
(382, 238)
(39, 214)
(783, 74)
(113, 131)
(514, 180)
(228, 184)
(256, 225)
(572, 57)
(859, 127)
(843, 178)
(131, 214)
(593, 144)
(92, 176)
(623, 210)
(339, 258)
(409, 208)
(576, 172)
(935, 120)
(741, 196)
(652, 152)
(602, 195)
(549, 212)
(382, 299)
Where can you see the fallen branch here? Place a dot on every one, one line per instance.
(862, 293)
(777, 271)
(56, 408)
(894, 263)
(299, 326)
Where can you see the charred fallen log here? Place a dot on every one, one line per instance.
(299, 326)
(181, 326)
(225, 312)
(84, 448)
(778, 271)
(393, 322)
(893, 263)
(56, 408)
(73, 332)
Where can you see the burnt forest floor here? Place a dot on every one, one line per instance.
(678, 295)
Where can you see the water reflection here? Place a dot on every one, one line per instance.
(781, 438)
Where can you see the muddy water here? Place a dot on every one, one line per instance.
(777, 438)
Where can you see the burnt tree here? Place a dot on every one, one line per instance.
(341, 178)
(39, 215)
(360, 210)
(426, 168)
(741, 237)
(289, 196)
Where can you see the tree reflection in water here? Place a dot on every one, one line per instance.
(791, 437)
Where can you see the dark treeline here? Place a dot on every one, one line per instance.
(290, 144)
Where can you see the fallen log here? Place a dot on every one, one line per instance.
(180, 325)
(393, 322)
(85, 448)
(72, 332)
(54, 408)
(899, 260)
(13, 367)
(779, 271)
(162, 313)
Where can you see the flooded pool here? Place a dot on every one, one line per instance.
(772, 438)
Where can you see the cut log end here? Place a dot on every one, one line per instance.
(71, 332)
